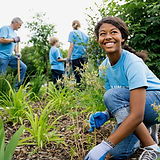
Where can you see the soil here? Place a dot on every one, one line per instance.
(76, 148)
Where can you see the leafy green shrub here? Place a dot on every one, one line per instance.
(6, 151)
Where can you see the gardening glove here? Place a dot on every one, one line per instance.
(18, 55)
(65, 59)
(99, 152)
(68, 60)
(98, 119)
(16, 39)
(67, 63)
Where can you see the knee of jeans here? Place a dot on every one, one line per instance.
(24, 67)
(109, 97)
(116, 98)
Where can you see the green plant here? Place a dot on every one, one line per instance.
(157, 109)
(4, 88)
(6, 151)
(36, 83)
(62, 99)
(42, 127)
(41, 32)
(94, 89)
(14, 103)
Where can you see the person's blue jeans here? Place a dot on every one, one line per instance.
(117, 102)
(12, 62)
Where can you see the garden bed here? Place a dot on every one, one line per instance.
(75, 136)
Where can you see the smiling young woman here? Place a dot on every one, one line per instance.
(132, 88)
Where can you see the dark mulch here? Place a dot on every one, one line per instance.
(77, 140)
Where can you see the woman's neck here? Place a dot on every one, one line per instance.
(114, 57)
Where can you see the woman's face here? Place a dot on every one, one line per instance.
(110, 38)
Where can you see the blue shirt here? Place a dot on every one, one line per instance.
(80, 41)
(129, 72)
(54, 54)
(6, 49)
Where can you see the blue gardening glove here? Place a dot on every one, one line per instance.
(99, 152)
(16, 39)
(98, 119)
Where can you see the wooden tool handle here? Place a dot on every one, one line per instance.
(18, 47)
(18, 64)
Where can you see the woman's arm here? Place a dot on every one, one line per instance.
(134, 122)
(70, 50)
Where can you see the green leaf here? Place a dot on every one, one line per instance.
(10, 148)
(1, 140)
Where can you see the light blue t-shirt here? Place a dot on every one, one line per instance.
(54, 54)
(80, 41)
(7, 48)
(129, 72)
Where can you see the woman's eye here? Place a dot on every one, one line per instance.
(114, 32)
(101, 34)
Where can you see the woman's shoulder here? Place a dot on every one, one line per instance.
(132, 61)
(130, 57)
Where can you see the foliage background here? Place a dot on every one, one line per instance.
(143, 20)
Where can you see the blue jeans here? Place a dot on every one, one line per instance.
(117, 102)
(12, 62)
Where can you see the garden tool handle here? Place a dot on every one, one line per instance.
(18, 63)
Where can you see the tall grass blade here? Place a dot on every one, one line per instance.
(10, 148)
(1, 140)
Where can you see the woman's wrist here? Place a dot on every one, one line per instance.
(109, 142)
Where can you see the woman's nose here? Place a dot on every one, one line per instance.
(108, 36)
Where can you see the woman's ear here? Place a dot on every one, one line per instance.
(123, 40)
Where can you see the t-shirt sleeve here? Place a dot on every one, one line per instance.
(136, 75)
(3, 32)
